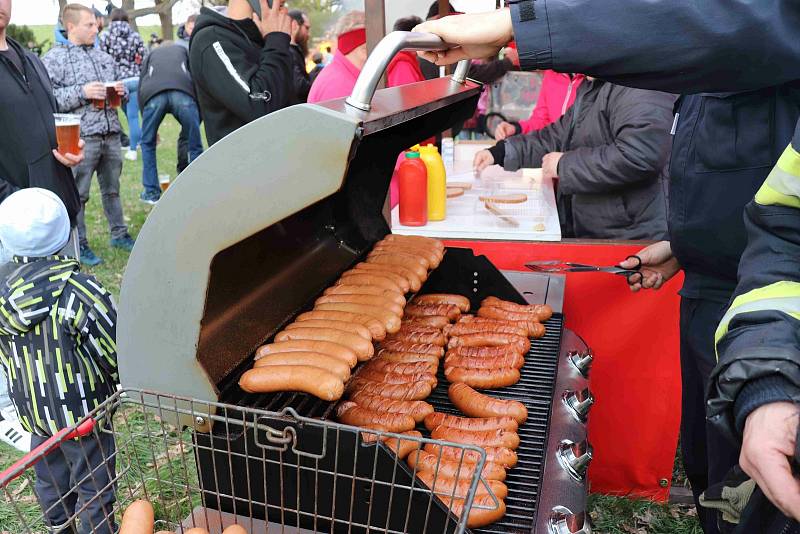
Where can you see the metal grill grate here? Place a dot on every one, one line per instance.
(535, 391)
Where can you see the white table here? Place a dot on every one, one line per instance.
(468, 218)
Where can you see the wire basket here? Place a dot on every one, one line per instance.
(230, 464)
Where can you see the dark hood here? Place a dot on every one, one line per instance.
(246, 27)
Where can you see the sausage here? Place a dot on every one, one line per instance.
(460, 329)
(400, 281)
(313, 359)
(414, 281)
(483, 378)
(419, 410)
(534, 328)
(369, 279)
(376, 327)
(423, 310)
(397, 378)
(346, 354)
(543, 311)
(418, 336)
(512, 359)
(459, 301)
(362, 347)
(406, 357)
(405, 346)
(470, 423)
(350, 413)
(413, 391)
(436, 252)
(404, 368)
(312, 380)
(403, 447)
(389, 320)
(237, 529)
(490, 339)
(484, 511)
(404, 261)
(413, 325)
(435, 321)
(499, 455)
(431, 257)
(417, 239)
(492, 312)
(369, 300)
(353, 328)
(138, 518)
(475, 404)
(346, 289)
(485, 352)
(404, 255)
(452, 487)
(480, 438)
(425, 461)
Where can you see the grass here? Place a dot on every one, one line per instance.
(44, 33)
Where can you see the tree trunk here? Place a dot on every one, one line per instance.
(128, 5)
(61, 4)
(167, 29)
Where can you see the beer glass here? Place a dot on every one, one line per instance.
(68, 133)
(113, 98)
(163, 181)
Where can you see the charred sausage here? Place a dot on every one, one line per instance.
(476, 404)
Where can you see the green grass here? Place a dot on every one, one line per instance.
(44, 33)
(617, 515)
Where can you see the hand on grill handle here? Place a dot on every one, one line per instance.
(657, 264)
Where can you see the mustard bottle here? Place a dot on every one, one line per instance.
(437, 182)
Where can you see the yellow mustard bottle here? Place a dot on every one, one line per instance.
(437, 182)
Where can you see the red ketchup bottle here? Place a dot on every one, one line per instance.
(413, 185)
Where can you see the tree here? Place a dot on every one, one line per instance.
(162, 8)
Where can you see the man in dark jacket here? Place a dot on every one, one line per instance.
(301, 26)
(711, 46)
(28, 138)
(166, 87)
(242, 69)
(609, 153)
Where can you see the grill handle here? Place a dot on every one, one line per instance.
(378, 61)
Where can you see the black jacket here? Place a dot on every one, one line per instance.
(611, 178)
(300, 78)
(166, 68)
(239, 76)
(28, 135)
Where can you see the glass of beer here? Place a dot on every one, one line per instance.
(163, 181)
(68, 133)
(113, 99)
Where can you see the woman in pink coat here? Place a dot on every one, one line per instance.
(339, 77)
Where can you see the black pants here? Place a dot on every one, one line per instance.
(183, 150)
(761, 516)
(707, 454)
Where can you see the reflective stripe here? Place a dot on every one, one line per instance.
(782, 187)
(229, 67)
(781, 296)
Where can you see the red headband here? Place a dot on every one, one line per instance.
(351, 40)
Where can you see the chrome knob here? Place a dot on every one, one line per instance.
(563, 521)
(578, 403)
(575, 458)
(581, 360)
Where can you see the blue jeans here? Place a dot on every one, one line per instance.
(184, 108)
(132, 111)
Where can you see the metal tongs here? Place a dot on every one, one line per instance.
(633, 274)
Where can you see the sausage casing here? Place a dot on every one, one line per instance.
(404, 368)
(543, 311)
(400, 281)
(459, 301)
(397, 378)
(413, 391)
(425, 461)
(480, 438)
(369, 300)
(403, 447)
(490, 339)
(389, 320)
(346, 354)
(459, 487)
(313, 359)
(418, 336)
(419, 410)
(406, 261)
(362, 347)
(406, 357)
(435, 321)
(511, 359)
(470, 423)
(499, 455)
(429, 242)
(414, 281)
(353, 328)
(431, 257)
(350, 413)
(483, 513)
(425, 310)
(460, 329)
(375, 327)
(534, 328)
(400, 254)
(312, 380)
(475, 404)
(347, 289)
(483, 378)
(493, 312)
(486, 352)
(405, 346)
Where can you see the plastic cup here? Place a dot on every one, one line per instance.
(68, 133)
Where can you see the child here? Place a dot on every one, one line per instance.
(58, 350)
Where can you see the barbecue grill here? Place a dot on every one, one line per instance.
(248, 236)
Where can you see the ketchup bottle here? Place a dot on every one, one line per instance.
(413, 184)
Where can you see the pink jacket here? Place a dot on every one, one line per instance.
(557, 95)
(334, 81)
(404, 69)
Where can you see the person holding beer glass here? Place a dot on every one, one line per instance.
(86, 84)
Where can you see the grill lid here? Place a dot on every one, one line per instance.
(267, 218)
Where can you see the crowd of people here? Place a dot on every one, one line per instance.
(631, 159)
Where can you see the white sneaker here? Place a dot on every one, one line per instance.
(11, 432)
(131, 155)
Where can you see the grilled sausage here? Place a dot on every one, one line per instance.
(414, 281)
(490, 339)
(534, 328)
(492, 312)
(419, 410)
(543, 311)
(512, 359)
(403, 447)
(460, 329)
(484, 511)
(480, 438)
(406, 357)
(375, 327)
(459, 301)
(138, 518)
(400, 281)
(369, 300)
(499, 455)
(475, 404)
(313, 359)
(405, 346)
(435, 321)
(362, 347)
(417, 239)
(425, 310)
(404, 261)
(413, 391)
(425, 461)
(486, 352)
(419, 336)
(483, 378)
(452, 487)
(347, 289)
(350, 413)
(397, 378)
(346, 354)
(401, 255)
(369, 279)
(389, 320)
(404, 368)
(312, 380)
(353, 328)
(470, 423)
(411, 245)
(431, 257)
